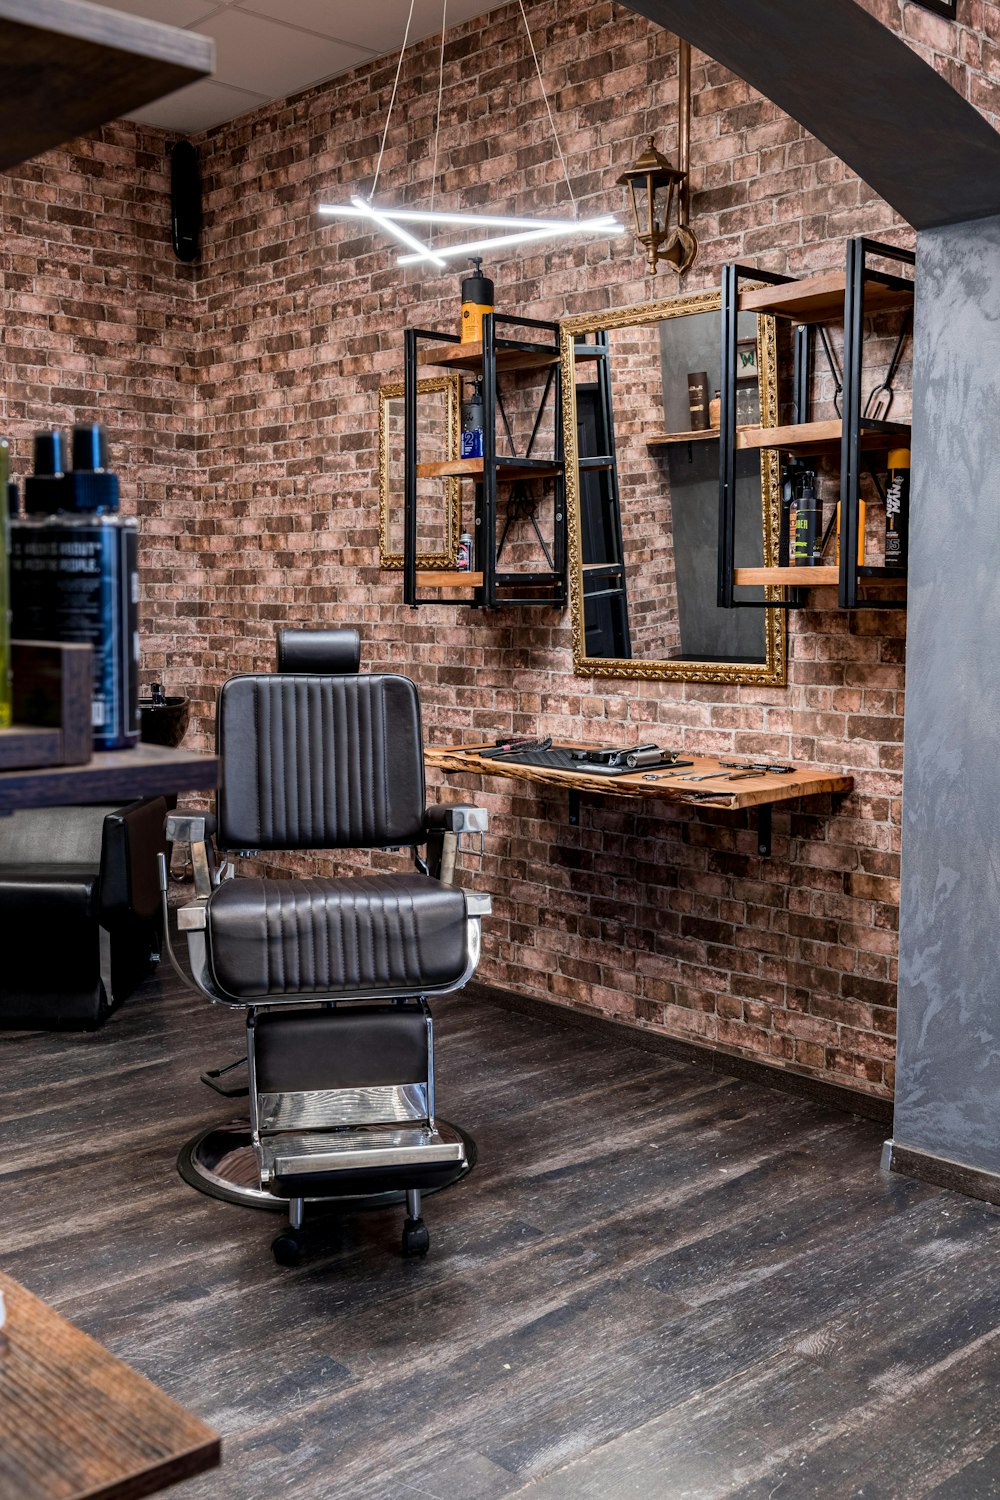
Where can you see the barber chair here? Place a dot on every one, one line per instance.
(334, 974)
(79, 911)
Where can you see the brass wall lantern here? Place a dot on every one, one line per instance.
(654, 184)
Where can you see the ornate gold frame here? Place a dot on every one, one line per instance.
(450, 386)
(773, 670)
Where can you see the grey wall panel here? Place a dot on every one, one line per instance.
(861, 91)
(948, 1076)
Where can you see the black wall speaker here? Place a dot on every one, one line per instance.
(185, 200)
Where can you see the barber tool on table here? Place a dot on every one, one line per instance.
(599, 761)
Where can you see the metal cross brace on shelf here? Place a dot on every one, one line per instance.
(520, 505)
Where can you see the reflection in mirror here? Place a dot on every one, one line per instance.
(438, 519)
(642, 422)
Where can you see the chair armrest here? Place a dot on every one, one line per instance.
(132, 837)
(196, 830)
(190, 828)
(194, 916)
(460, 818)
(444, 827)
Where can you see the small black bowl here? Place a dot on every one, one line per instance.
(164, 720)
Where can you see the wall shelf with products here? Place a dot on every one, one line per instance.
(824, 437)
(851, 295)
(494, 485)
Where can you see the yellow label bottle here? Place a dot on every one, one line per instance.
(5, 703)
(862, 512)
(477, 300)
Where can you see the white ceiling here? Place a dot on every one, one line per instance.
(268, 49)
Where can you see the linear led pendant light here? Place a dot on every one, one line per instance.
(489, 231)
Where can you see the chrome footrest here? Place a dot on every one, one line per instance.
(303, 1154)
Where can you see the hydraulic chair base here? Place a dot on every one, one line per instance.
(221, 1162)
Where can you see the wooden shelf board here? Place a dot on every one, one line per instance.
(768, 788)
(819, 437)
(821, 576)
(459, 468)
(800, 578)
(473, 468)
(68, 68)
(450, 579)
(820, 298)
(696, 435)
(470, 357)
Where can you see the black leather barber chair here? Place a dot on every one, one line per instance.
(79, 911)
(334, 974)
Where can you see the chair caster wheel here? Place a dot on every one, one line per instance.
(287, 1248)
(416, 1239)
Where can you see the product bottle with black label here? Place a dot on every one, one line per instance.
(472, 422)
(74, 574)
(807, 523)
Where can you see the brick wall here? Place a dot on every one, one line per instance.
(242, 401)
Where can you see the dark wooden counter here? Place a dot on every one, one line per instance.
(111, 776)
(760, 792)
(78, 1424)
(802, 782)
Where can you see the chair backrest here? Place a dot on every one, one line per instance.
(319, 762)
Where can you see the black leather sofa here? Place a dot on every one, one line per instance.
(79, 911)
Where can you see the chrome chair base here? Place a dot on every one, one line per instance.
(220, 1161)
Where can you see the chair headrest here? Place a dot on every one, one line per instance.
(323, 652)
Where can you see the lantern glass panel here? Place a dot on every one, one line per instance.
(640, 202)
(662, 195)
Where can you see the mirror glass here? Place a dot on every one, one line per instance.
(642, 479)
(438, 519)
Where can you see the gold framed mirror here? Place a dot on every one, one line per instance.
(439, 516)
(641, 432)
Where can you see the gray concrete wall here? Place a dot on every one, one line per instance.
(948, 1080)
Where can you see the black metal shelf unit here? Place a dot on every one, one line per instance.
(858, 278)
(500, 499)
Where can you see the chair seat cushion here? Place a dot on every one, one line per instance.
(380, 934)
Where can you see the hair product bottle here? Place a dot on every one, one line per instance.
(74, 574)
(806, 522)
(862, 518)
(897, 508)
(472, 422)
(477, 300)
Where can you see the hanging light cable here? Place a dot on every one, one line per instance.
(518, 230)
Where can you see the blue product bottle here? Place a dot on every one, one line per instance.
(74, 574)
(472, 423)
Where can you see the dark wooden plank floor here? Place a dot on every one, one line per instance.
(659, 1282)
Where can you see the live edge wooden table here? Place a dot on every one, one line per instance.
(76, 1423)
(111, 776)
(759, 792)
